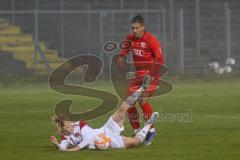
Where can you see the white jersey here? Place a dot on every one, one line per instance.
(84, 136)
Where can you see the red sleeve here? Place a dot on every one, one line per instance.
(82, 124)
(125, 46)
(156, 49)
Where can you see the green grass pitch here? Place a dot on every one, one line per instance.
(213, 133)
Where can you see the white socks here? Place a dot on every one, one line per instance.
(133, 97)
(135, 131)
(143, 132)
(151, 130)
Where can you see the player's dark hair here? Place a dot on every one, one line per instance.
(138, 19)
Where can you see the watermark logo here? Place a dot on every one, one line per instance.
(57, 82)
(119, 77)
(164, 117)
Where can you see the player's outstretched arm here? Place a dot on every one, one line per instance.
(54, 141)
(62, 146)
(119, 115)
(86, 140)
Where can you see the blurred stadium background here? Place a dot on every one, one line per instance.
(38, 35)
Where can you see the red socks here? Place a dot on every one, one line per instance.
(147, 111)
(134, 117)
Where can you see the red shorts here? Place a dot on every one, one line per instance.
(136, 83)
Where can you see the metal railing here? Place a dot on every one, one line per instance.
(180, 48)
(163, 25)
(197, 14)
(227, 19)
(160, 15)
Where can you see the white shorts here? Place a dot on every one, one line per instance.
(113, 131)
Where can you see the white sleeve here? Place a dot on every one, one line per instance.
(63, 145)
(86, 137)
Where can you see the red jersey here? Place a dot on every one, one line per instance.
(146, 49)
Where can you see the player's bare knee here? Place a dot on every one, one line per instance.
(121, 115)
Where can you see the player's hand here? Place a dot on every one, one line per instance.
(53, 139)
(121, 62)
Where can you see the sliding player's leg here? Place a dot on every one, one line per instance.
(114, 125)
(119, 115)
(138, 139)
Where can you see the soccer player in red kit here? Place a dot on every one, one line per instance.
(146, 51)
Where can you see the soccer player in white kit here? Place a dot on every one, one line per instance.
(77, 136)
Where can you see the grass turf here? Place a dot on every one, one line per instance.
(214, 132)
